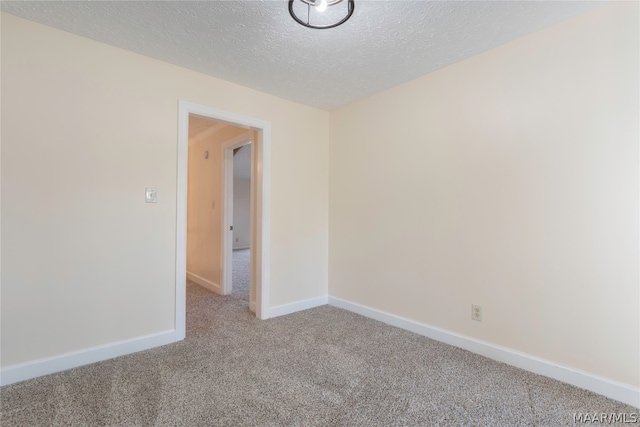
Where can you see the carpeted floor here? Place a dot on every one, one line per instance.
(240, 276)
(320, 367)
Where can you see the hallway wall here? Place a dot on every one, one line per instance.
(204, 205)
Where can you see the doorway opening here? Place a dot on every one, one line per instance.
(215, 262)
(238, 207)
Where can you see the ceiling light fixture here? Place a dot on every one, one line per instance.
(321, 14)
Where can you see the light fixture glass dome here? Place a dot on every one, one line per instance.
(321, 14)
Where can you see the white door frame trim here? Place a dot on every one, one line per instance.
(226, 241)
(262, 152)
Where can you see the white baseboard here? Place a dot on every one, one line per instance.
(613, 389)
(306, 304)
(207, 284)
(241, 247)
(51, 365)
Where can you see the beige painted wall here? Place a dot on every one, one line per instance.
(508, 180)
(204, 204)
(85, 128)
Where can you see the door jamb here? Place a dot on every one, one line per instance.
(261, 150)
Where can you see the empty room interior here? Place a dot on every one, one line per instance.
(405, 213)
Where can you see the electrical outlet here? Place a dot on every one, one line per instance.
(476, 312)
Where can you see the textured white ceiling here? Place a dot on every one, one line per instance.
(258, 45)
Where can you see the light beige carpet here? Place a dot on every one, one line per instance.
(320, 367)
(240, 275)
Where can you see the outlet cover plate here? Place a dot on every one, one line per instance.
(476, 312)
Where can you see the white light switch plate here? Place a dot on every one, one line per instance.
(151, 195)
